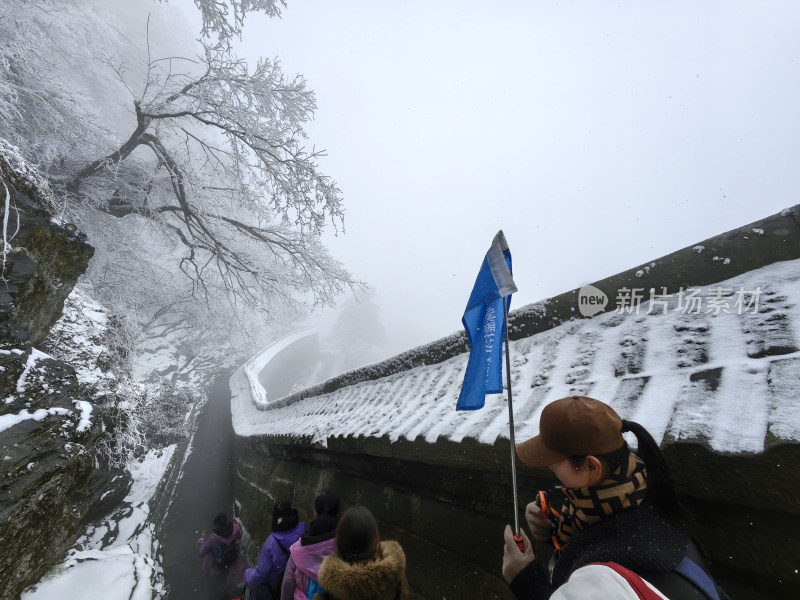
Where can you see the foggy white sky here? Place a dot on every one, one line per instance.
(597, 135)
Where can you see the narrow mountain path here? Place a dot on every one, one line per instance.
(205, 488)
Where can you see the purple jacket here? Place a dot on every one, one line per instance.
(267, 574)
(303, 566)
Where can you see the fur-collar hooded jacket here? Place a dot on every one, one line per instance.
(383, 578)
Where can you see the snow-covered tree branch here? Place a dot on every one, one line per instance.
(225, 18)
(218, 159)
(207, 180)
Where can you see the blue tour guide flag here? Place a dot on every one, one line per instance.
(485, 324)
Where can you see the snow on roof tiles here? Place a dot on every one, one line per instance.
(727, 376)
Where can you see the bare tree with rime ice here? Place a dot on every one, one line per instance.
(217, 158)
(214, 167)
(225, 18)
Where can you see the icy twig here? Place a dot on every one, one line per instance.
(7, 248)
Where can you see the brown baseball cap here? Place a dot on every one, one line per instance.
(576, 425)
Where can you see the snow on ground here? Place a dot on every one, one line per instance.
(11, 419)
(80, 417)
(76, 338)
(114, 559)
(657, 369)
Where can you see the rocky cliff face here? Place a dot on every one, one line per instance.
(49, 483)
(41, 259)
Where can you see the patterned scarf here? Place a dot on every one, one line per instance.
(624, 489)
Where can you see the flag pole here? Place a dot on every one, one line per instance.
(517, 534)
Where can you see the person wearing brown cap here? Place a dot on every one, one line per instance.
(619, 506)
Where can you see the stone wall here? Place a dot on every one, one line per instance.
(447, 503)
(290, 368)
(449, 519)
(773, 239)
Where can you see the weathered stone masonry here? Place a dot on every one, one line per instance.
(447, 502)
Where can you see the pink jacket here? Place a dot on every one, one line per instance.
(303, 566)
(206, 546)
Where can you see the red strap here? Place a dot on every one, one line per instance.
(642, 590)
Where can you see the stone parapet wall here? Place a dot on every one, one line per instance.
(447, 500)
(764, 242)
(448, 503)
(448, 520)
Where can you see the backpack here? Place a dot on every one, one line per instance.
(700, 579)
(225, 554)
(313, 588)
(638, 585)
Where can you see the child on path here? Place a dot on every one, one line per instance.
(223, 565)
